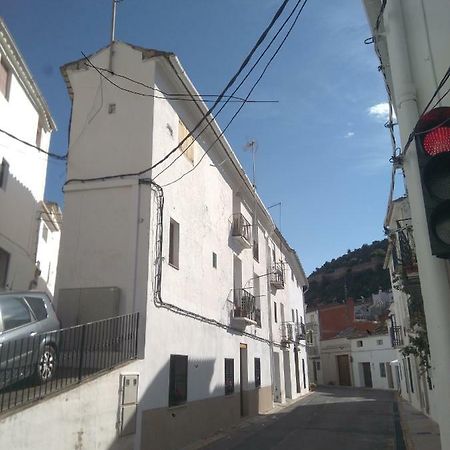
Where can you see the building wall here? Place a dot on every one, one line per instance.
(109, 240)
(330, 349)
(19, 200)
(375, 350)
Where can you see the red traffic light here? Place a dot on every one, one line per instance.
(437, 141)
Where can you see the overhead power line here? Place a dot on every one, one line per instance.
(180, 97)
(205, 115)
(248, 95)
(41, 150)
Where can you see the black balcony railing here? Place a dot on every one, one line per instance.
(396, 336)
(287, 332)
(404, 253)
(35, 366)
(277, 275)
(300, 331)
(241, 227)
(244, 305)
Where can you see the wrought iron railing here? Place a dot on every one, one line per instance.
(404, 253)
(287, 332)
(396, 336)
(300, 331)
(277, 275)
(244, 305)
(241, 227)
(35, 366)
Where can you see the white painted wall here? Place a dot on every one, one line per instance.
(109, 233)
(329, 350)
(19, 201)
(375, 350)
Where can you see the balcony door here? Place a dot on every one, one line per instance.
(237, 273)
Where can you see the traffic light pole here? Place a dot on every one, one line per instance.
(433, 272)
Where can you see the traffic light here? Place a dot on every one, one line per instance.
(432, 134)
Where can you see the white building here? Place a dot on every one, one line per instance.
(313, 346)
(371, 361)
(218, 289)
(415, 381)
(23, 169)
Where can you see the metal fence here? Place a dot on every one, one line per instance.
(33, 367)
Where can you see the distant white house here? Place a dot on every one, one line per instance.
(24, 115)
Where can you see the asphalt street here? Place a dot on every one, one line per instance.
(332, 417)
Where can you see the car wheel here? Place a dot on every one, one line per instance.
(46, 367)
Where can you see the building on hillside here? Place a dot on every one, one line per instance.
(407, 317)
(24, 115)
(218, 289)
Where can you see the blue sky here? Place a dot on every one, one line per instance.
(322, 151)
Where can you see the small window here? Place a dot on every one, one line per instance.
(174, 243)
(296, 314)
(44, 232)
(293, 315)
(379, 341)
(318, 365)
(257, 372)
(275, 312)
(187, 147)
(5, 79)
(4, 264)
(37, 305)
(214, 260)
(255, 244)
(359, 343)
(382, 370)
(15, 313)
(178, 380)
(229, 376)
(4, 173)
(309, 337)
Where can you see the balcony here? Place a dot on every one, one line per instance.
(300, 331)
(241, 230)
(277, 276)
(244, 308)
(396, 336)
(405, 262)
(287, 333)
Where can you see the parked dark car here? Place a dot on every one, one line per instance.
(28, 337)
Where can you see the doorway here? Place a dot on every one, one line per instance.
(276, 378)
(243, 378)
(344, 370)
(297, 371)
(367, 373)
(287, 374)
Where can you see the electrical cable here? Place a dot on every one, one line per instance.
(50, 154)
(166, 96)
(242, 105)
(205, 115)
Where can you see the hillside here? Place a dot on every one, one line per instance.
(358, 273)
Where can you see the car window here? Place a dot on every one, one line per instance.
(14, 312)
(37, 305)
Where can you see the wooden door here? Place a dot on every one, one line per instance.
(344, 370)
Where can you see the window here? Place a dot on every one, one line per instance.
(15, 313)
(4, 172)
(5, 79)
(174, 243)
(44, 232)
(410, 375)
(257, 372)
(214, 260)
(293, 315)
(382, 370)
(275, 312)
(229, 376)
(359, 343)
(296, 314)
(318, 365)
(309, 337)
(37, 305)
(4, 264)
(255, 243)
(187, 148)
(178, 380)
(379, 341)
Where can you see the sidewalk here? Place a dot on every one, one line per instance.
(419, 431)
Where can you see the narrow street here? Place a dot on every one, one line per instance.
(344, 418)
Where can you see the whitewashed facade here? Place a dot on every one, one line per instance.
(415, 384)
(25, 115)
(230, 306)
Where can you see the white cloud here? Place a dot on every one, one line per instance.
(380, 111)
(349, 134)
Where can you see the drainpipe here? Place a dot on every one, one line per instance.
(432, 271)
